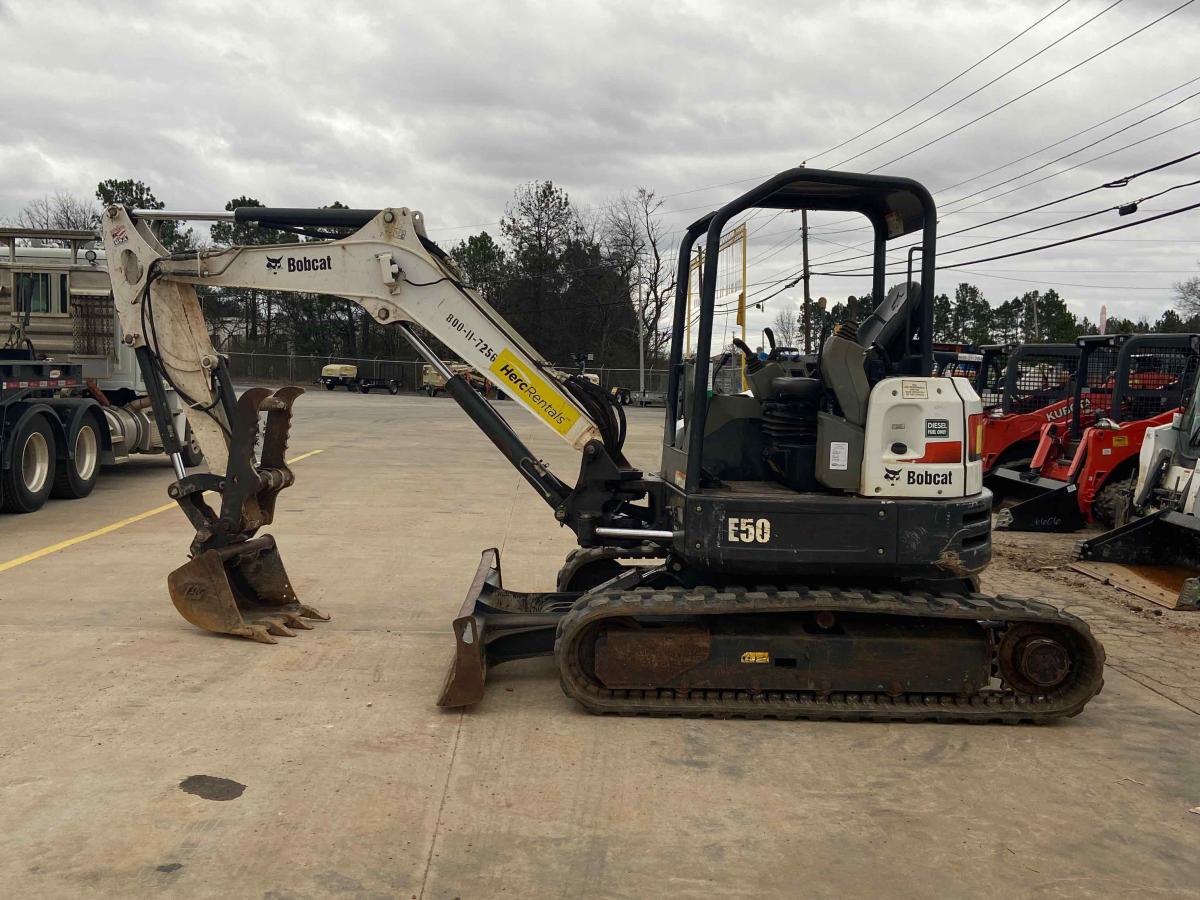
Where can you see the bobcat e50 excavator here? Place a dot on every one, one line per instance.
(810, 548)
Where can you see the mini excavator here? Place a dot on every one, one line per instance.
(810, 547)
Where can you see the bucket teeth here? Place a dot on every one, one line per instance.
(241, 590)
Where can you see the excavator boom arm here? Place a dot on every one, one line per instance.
(235, 582)
(388, 267)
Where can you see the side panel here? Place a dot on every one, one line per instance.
(836, 534)
(916, 439)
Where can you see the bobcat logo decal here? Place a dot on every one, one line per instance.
(273, 263)
(892, 475)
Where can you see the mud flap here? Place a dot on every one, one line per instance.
(243, 590)
(1056, 509)
(494, 626)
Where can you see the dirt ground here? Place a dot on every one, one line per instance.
(139, 756)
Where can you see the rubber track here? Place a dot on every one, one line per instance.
(991, 705)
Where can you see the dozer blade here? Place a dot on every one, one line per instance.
(495, 626)
(242, 589)
(1056, 510)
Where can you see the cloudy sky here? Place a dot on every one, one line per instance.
(447, 106)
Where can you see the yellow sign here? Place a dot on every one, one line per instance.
(535, 392)
(1120, 440)
(756, 656)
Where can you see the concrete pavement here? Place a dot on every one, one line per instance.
(357, 786)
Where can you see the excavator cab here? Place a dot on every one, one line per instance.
(795, 450)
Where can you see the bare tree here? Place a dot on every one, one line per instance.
(786, 327)
(1187, 296)
(60, 211)
(634, 234)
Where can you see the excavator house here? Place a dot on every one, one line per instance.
(808, 548)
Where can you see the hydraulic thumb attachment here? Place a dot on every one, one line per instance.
(235, 583)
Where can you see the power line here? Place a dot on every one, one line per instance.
(1071, 137)
(1036, 87)
(944, 84)
(983, 87)
(1038, 249)
(1099, 212)
(1115, 183)
(784, 244)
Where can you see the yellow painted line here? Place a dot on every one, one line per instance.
(108, 529)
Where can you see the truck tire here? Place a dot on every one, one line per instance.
(364, 388)
(30, 476)
(191, 452)
(77, 473)
(329, 385)
(393, 388)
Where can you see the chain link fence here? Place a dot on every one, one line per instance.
(295, 369)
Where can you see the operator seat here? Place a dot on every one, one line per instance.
(844, 359)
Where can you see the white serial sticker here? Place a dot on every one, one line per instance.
(839, 455)
(914, 390)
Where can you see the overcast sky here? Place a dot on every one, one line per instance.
(447, 106)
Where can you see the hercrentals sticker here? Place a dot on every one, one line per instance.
(537, 394)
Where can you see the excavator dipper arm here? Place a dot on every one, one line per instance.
(401, 278)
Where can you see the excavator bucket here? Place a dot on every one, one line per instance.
(241, 590)
(239, 586)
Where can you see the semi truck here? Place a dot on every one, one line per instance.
(72, 399)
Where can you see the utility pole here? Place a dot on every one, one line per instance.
(642, 351)
(807, 314)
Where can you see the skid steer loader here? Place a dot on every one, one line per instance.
(809, 549)
(1034, 386)
(1083, 467)
(1163, 530)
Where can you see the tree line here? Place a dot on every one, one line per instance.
(970, 318)
(575, 283)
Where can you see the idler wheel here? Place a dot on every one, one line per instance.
(1033, 659)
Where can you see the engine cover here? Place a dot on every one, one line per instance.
(917, 439)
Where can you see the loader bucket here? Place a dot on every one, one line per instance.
(1165, 538)
(495, 625)
(1162, 548)
(1054, 509)
(241, 590)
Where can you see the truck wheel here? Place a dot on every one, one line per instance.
(329, 385)
(393, 388)
(191, 453)
(77, 475)
(29, 478)
(364, 389)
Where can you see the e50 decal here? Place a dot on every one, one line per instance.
(742, 530)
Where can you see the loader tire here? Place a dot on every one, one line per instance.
(1113, 506)
(77, 474)
(27, 482)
